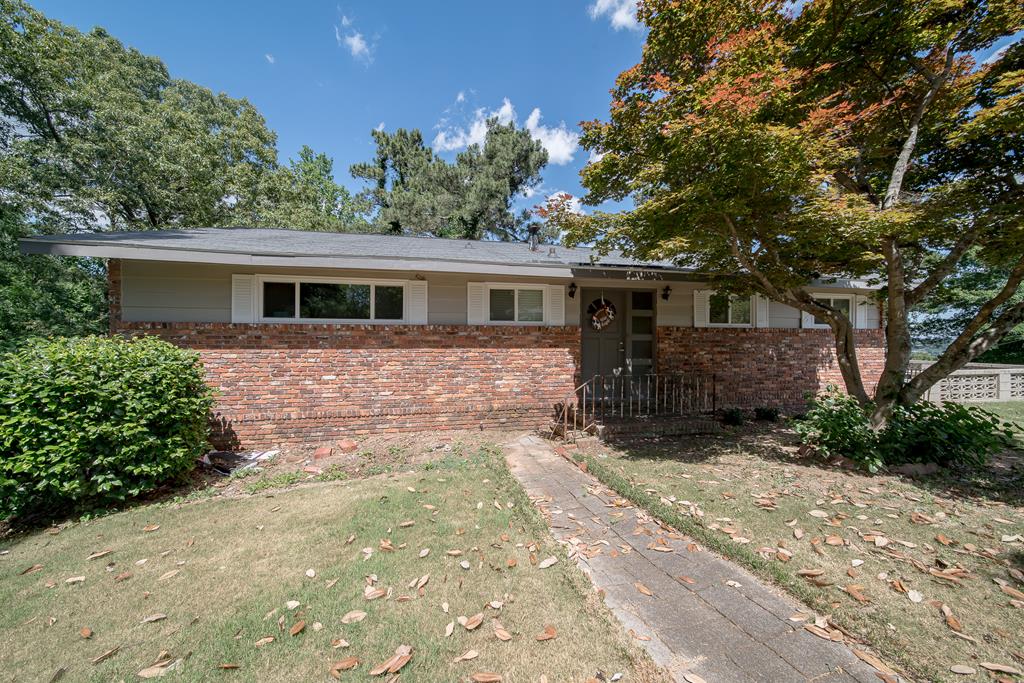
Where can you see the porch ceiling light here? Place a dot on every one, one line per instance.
(666, 293)
(572, 290)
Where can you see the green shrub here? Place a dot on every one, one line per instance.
(836, 425)
(948, 434)
(732, 417)
(96, 421)
(766, 414)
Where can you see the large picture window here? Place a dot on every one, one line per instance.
(515, 304)
(727, 309)
(323, 299)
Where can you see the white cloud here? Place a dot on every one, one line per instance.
(454, 138)
(380, 127)
(595, 156)
(461, 97)
(353, 41)
(560, 142)
(621, 13)
(270, 58)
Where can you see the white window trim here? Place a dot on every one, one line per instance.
(261, 279)
(753, 312)
(808, 318)
(516, 286)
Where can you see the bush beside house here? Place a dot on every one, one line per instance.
(96, 421)
(948, 434)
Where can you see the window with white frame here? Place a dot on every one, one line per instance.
(843, 304)
(330, 299)
(730, 310)
(514, 304)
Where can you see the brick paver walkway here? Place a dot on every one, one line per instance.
(726, 626)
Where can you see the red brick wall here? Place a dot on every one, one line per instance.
(765, 367)
(289, 383)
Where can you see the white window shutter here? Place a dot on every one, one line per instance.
(417, 313)
(243, 298)
(700, 307)
(475, 314)
(860, 312)
(554, 305)
(760, 311)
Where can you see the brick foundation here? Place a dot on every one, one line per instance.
(765, 367)
(292, 383)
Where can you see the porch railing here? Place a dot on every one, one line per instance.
(608, 397)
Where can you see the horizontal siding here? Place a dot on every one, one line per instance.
(783, 316)
(155, 291)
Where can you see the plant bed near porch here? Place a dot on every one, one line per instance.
(927, 571)
(211, 582)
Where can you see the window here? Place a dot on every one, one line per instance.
(326, 299)
(515, 305)
(726, 309)
(840, 303)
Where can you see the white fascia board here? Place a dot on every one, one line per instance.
(30, 246)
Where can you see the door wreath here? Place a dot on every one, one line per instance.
(601, 312)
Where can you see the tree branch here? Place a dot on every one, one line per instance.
(899, 171)
(944, 268)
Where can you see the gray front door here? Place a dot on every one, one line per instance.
(604, 350)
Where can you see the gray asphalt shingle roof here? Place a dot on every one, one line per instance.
(296, 243)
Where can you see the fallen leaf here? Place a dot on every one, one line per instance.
(915, 596)
(86, 632)
(474, 621)
(548, 634)
(547, 562)
(229, 666)
(402, 656)
(297, 628)
(75, 579)
(106, 655)
(449, 629)
(169, 575)
(31, 570)
(485, 677)
(873, 661)
(99, 554)
(643, 589)
(466, 656)
(1001, 668)
(963, 670)
(951, 620)
(154, 617)
(150, 527)
(346, 664)
(353, 617)
(500, 633)
(264, 641)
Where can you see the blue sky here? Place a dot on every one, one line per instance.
(325, 74)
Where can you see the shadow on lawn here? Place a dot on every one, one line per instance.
(1002, 480)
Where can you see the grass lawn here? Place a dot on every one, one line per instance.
(1011, 411)
(216, 577)
(888, 558)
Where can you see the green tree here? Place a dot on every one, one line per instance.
(306, 197)
(44, 296)
(772, 146)
(410, 190)
(99, 134)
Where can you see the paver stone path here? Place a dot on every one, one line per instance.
(705, 615)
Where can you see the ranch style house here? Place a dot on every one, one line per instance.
(311, 336)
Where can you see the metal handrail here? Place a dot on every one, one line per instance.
(635, 396)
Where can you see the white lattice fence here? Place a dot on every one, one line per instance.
(980, 383)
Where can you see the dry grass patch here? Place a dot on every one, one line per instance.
(929, 571)
(195, 588)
